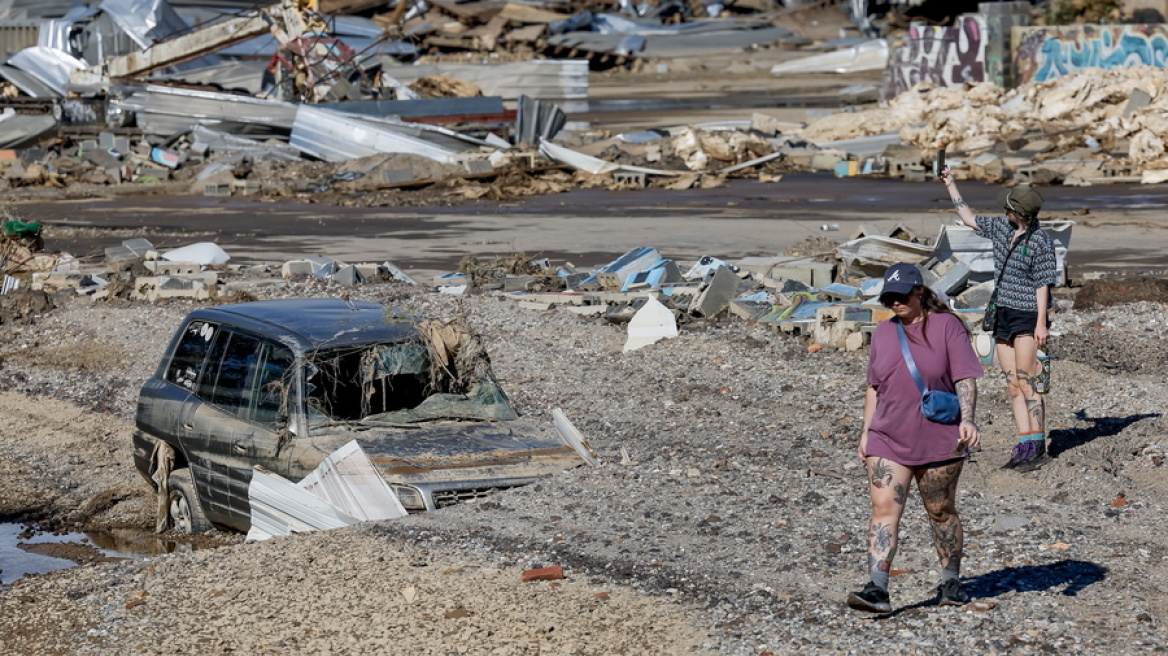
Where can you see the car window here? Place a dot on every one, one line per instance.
(268, 384)
(190, 353)
(232, 357)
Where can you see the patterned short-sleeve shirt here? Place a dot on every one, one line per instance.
(1031, 265)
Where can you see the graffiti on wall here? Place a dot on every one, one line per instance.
(1044, 53)
(945, 56)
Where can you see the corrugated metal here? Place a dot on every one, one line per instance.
(349, 481)
(102, 38)
(685, 39)
(220, 142)
(545, 79)
(368, 49)
(22, 129)
(148, 22)
(537, 120)
(165, 111)
(28, 85)
(338, 137)
(34, 9)
(48, 65)
(278, 507)
(421, 107)
(18, 35)
(245, 75)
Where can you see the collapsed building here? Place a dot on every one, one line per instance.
(301, 99)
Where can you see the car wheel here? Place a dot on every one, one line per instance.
(186, 514)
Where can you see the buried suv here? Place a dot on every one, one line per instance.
(282, 384)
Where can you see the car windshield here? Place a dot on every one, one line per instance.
(397, 383)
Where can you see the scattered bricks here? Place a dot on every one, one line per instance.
(477, 166)
(347, 276)
(954, 280)
(167, 268)
(554, 573)
(825, 162)
(297, 269)
(245, 187)
(7, 154)
(630, 178)
(368, 271)
(716, 296)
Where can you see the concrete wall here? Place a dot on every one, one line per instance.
(1044, 53)
(946, 56)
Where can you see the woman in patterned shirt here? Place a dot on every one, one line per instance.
(1025, 268)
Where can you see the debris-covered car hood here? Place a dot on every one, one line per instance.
(454, 451)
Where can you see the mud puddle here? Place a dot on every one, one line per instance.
(26, 551)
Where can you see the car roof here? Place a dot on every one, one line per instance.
(316, 322)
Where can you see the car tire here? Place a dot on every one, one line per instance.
(182, 504)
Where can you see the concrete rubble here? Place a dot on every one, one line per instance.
(830, 300)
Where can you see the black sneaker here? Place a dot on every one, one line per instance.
(951, 593)
(1023, 452)
(872, 598)
(1035, 461)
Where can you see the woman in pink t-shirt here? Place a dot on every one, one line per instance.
(899, 445)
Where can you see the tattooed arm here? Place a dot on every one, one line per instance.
(967, 397)
(869, 412)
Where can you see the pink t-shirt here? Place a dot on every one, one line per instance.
(899, 432)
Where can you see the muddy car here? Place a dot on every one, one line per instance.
(282, 384)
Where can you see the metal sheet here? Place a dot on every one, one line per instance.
(243, 75)
(349, 481)
(478, 105)
(546, 79)
(27, 82)
(21, 129)
(34, 9)
(146, 21)
(166, 111)
(338, 137)
(868, 56)
(48, 65)
(279, 507)
(206, 139)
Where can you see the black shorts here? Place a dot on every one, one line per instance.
(1012, 323)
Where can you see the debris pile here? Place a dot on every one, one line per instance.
(1092, 127)
(831, 299)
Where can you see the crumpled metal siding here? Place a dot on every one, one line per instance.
(26, 82)
(20, 129)
(338, 137)
(48, 65)
(148, 22)
(165, 111)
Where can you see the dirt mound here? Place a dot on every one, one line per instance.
(1107, 292)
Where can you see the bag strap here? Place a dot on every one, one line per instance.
(908, 358)
(1006, 261)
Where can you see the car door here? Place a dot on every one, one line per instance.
(217, 423)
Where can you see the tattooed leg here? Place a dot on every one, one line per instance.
(1007, 357)
(888, 484)
(1026, 370)
(938, 489)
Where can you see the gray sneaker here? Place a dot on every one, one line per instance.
(951, 593)
(872, 598)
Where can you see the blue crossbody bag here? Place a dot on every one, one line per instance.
(938, 406)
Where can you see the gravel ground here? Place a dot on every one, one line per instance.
(728, 516)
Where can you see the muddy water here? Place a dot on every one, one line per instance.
(25, 551)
